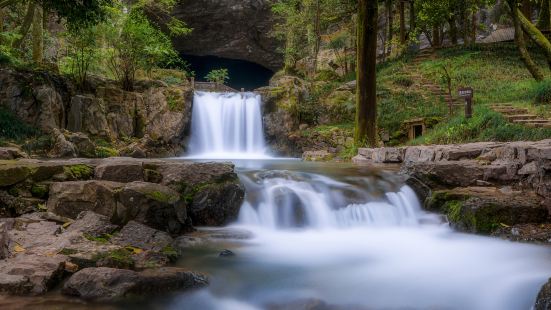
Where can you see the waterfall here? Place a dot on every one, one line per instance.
(227, 126)
(289, 200)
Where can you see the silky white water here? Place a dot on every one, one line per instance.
(359, 242)
(227, 126)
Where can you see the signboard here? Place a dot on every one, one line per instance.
(467, 93)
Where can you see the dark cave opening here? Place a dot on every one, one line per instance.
(243, 74)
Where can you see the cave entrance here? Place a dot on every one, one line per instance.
(243, 74)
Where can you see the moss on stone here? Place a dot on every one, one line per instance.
(162, 197)
(104, 152)
(152, 176)
(119, 258)
(67, 251)
(170, 252)
(79, 172)
(103, 239)
(39, 190)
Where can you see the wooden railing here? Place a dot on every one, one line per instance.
(211, 86)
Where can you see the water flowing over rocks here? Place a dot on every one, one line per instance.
(490, 187)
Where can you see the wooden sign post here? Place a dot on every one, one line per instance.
(467, 93)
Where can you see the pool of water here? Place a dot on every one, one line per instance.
(339, 236)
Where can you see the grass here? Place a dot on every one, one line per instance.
(14, 129)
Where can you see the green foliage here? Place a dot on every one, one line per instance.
(105, 152)
(79, 172)
(119, 258)
(13, 128)
(78, 13)
(542, 92)
(82, 51)
(219, 76)
(403, 80)
(39, 190)
(103, 239)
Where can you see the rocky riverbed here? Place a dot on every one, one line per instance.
(109, 226)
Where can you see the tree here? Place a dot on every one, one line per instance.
(218, 76)
(136, 44)
(38, 35)
(366, 83)
(544, 18)
(521, 44)
(82, 51)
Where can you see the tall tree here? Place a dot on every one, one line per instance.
(366, 76)
(521, 44)
(535, 34)
(38, 35)
(402, 22)
(390, 22)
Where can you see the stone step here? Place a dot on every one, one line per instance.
(532, 121)
(521, 117)
(539, 125)
(512, 111)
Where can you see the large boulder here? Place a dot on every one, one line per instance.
(30, 274)
(120, 170)
(69, 199)
(108, 283)
(236, 29)
(10, 153)
(485, 209)
(154, 205)
(543, 301)
(140, 236)
(212, 191)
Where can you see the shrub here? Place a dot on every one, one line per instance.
(542, 92)
(13, 128)
(219, 76)
(402, 80)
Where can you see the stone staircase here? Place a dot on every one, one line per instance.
(521, 116)
(435, 89)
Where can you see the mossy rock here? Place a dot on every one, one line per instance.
(12, 173)
(78, 172)
(119, 258)
(484, 211)
(40, 190)
(105, 152)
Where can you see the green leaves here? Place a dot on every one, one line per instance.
(218, 76)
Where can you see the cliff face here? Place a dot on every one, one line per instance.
(236, 29)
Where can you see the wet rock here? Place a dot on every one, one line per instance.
(152, 204)
(140, 236)
(543, 301)
(69, 199)
(533, 233)
(485, 209)
(322, 155)
(212, 191)
(226, 253)
(120, 170)
(108, 283)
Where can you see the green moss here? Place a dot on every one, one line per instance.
(39, 190)
(119, 258)
(170, 252)
(103, 239)
(152, 176)
(79, 172)
(105, 152)
(67, 251)
(162, 197)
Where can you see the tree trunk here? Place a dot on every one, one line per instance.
(26, 26)
(527, 9)
(390, 24)
(318, 35)
(521, 44)
(544, 19)
(411, 16)
(38, 35)
(402, 22)
(474, 28)
(435, 37)
(366, 76)
(453, 30)
(535, 34)
(465, 26)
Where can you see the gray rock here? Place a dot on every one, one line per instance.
(543, 301)
(108, 283)
(10, 153)
(120, 170)
(140, 236)
(30, 274)
(92, 224)
(62, 148)
(69, 199)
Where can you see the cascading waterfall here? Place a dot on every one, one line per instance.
(227, 126)
(290, 200)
